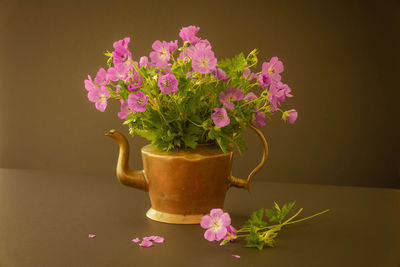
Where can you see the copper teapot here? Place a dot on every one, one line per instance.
(186, 184)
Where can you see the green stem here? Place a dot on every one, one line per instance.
(166, 122)
(291, 218)
(237, 236)
(287, 222)
(309, 217)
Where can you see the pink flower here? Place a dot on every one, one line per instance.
(99, 95)
(264, 80)
(124, 43)
(188, 34)
(277, 94)
(203, 59)
(134, 81)
(118, 72)
(220, 117)
(101, 77)
(259, 119)
(291, 116)
(137, 101)
(89, 84)
(216, 224)
(282, 91)
(201, 45)
(230, 94)
(273, 68)
(231, 233)
(220, 75)
(168, 83)
(143, 61)
(172, 46)
(121, 55)
(249, 75)
(124, 110)
(91, 235)
(250, 96)
(161, 54)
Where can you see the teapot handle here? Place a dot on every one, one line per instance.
(241, 183)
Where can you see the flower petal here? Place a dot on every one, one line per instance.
(220, 233)
(91, 235)
(210, 235)
(146, 243)
(101, 105)
(225, 219)
(236, 256)
(136, 240)
(205, 222)
(158, 239)
(216, 212)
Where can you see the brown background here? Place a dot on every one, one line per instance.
(340, 60)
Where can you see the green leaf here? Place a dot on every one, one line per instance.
(239, 63)
(190, 140)
(256, 219)
(234, 65)
(252, 58)
(276, 214)
(108, 54)
(254, 240)
(286, 208)
(149, 135)
(240, 144)
(123, 91)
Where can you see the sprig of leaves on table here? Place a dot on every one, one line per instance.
(259, 232)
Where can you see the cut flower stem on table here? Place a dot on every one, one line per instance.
(260, 230)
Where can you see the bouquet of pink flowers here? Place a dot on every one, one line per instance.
(179, 97)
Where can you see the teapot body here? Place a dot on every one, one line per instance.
(184, 185)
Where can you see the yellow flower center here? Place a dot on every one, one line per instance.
(216, 224)
(204, 62)
(271, 70)
(140, 101)
(164, 53)
(167, 83)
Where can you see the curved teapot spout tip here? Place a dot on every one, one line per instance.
(110, 132)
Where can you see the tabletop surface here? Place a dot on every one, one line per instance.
(45, 219)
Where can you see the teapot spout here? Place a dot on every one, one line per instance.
(125, 175)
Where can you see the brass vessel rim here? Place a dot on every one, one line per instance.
(189, 154)
(173, 218)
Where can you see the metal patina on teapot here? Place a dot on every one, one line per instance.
(186, 184)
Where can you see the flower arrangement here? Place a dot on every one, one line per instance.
(180, 97)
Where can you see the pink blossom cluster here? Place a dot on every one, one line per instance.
(126, 74)
(122, 70)
(200, 51)
(269, 78)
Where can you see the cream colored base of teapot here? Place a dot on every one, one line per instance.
(173, 218)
